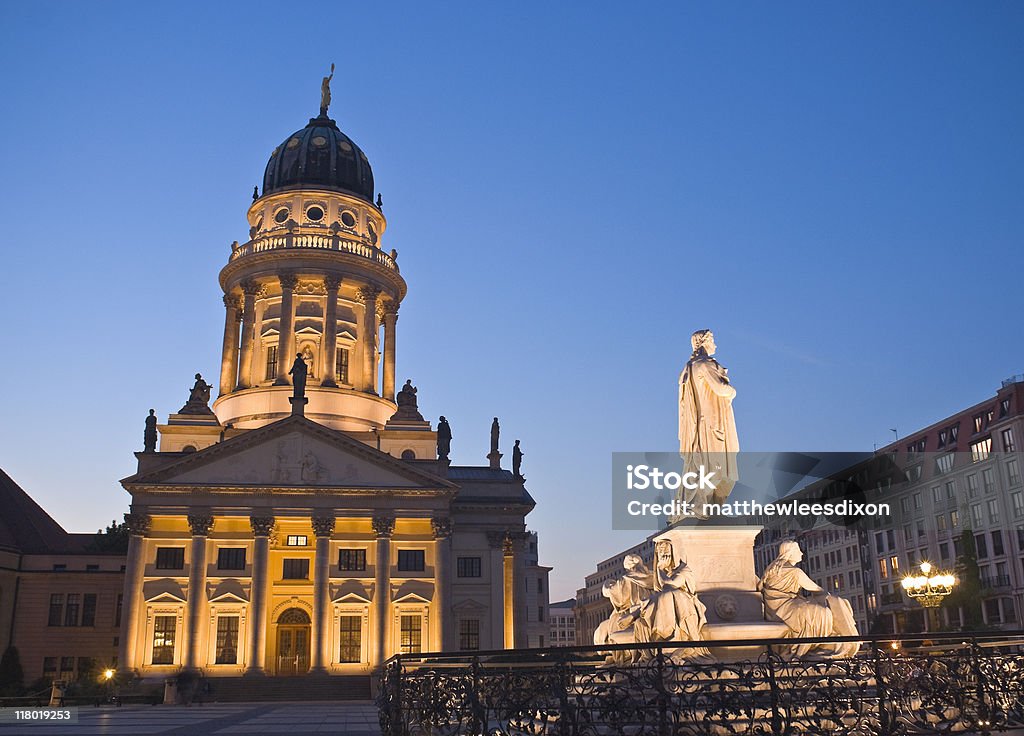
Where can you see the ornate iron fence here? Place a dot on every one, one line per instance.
(953, 683)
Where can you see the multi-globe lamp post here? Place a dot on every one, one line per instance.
(929, 589)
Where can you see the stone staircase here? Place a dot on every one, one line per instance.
(262, 689)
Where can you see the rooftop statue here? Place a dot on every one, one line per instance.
(823, 614)
(325, 93)
(444, 439)
(149, 437)
(298, 373)
(407, 395)
(517, 460)
(198, 398)
(495, 431)
(707, 427)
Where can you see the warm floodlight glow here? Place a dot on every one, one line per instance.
(929, 590)
(108, 674)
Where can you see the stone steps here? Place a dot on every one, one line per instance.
(260, 689)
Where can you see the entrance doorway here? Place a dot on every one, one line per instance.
(293, 632)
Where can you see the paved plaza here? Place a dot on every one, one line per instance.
(293, 719)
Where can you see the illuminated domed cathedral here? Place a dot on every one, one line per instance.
(309, 520)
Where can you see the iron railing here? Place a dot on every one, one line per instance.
(945, 684)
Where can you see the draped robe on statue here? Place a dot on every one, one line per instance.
(826, 615)
(707, 426)
(672, 612)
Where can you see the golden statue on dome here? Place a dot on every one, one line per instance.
(325, 93)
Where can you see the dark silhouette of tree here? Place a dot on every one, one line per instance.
(112, 540)
(12, 676)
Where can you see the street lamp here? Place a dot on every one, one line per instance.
(929, 589)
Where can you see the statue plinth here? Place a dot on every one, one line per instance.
(298, 405)
(495, 459)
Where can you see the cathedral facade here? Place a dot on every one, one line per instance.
(286, 529)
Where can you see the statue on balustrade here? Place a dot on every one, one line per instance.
(673, 611)
(298, 373)
(198, 398)
(782, 588)
(626, 594)
(444, 439)
(707, 426)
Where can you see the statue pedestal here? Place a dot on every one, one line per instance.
(723, 559)
(298, 405)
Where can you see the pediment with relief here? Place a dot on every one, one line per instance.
(293, 452)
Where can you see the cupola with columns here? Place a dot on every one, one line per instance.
(312, 280)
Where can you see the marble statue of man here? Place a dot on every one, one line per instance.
(823, 614)
(672, 612)
(707, 427)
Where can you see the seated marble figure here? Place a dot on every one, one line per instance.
(626, 594)
(783, 587)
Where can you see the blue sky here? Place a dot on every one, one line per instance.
(573, 189)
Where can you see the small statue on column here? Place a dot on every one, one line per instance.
(444, 439)
(149, 437)
(325, 93)
(298, 373)
(494, 456)
(517, 461)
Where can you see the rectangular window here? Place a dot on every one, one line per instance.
(883, 568)
(469, 634)
(1008, 445)
(981, 449)
(879, 542)
(351, 637)
(297, 540)
(163, 639)
(1013, 472)
(981, 546)
(89, 609)
(976, 515)
(170, 558)
(972, 486)
(979, 422)
(1018, 504)
(411, 560)
(1004, 408)
(951, 489)
(993, 511)
(295, 569)
(988, 480)
(411, 634)
(997, 544)
(271, 372)
(71, 610)
(940, 522)
(468, 567)
(341, 365)
(540, 613)
(351, 560)
(917, 500)
(905, 505)
(117, 610)
(944, 551)
(936, 494)
(944, 463)
(920, 529)
(49, 666)
(56, 609)
(227, 640)
(231, 558)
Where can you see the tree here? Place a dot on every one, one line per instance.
(112, 540)
(968, 591)
(12, 676)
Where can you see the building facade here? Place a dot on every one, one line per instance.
(319, 533)
(563, 623)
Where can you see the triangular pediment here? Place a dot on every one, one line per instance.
(294, 452)
(350, 591)
(164, 590)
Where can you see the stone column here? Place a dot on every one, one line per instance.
(286, 329)
(323, 528)
(496, 539)
(200, 528)
(132, 602)
(331, 284)
(509, 552)
(368, 296)
(262, 528)
(249, 289)
(442, 528)
(229, 354)
(390, 310)
(383, 528)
